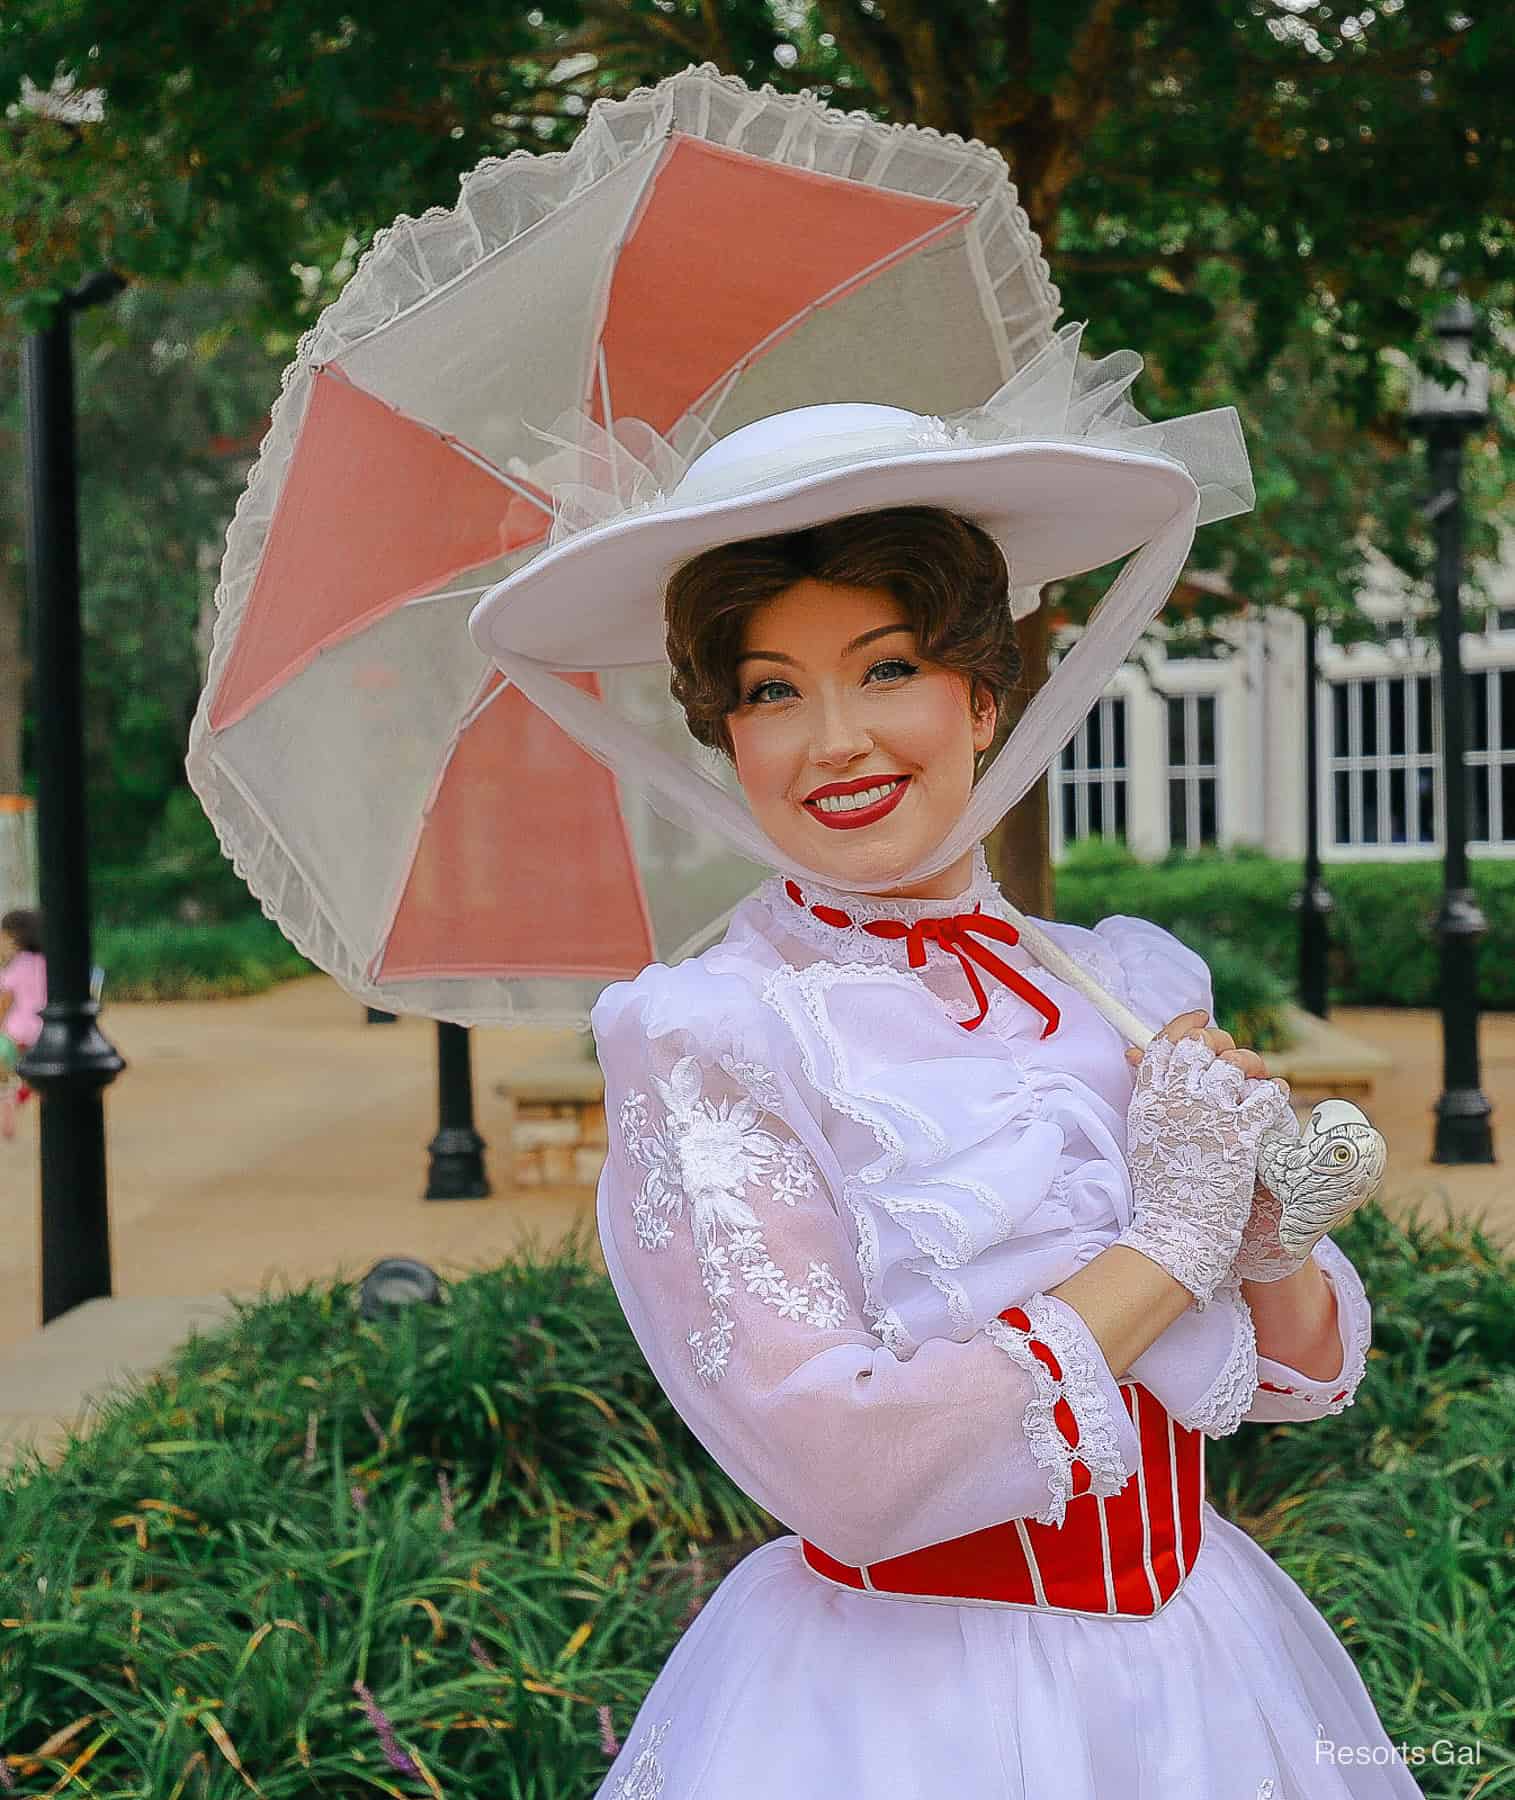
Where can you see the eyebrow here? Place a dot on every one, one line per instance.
(847, 649)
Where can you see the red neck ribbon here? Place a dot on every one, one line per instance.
(958, 934)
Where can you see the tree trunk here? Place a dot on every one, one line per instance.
(1020, 848)
(1043, 137)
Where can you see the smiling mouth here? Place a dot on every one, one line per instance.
(846, 805)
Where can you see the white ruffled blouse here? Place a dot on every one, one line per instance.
(821, 1191)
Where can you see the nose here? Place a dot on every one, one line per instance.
(839, 736)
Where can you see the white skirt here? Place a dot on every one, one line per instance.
(787, 1685)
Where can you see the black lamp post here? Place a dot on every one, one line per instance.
(1313, 902)
(71, 1062)
(457, 1151)
(1444, 415)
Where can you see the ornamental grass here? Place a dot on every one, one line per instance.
(445, 1553)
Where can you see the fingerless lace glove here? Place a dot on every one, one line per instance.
(1192, 1135)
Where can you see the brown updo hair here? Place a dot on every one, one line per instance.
(948, 574)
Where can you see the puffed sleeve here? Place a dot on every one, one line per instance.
(1162, 977)
(719, 1221)
(1284, 1393)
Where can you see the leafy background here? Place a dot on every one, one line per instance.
(1262, 195)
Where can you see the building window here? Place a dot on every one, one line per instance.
(1193, 797)
(1490, 755)
(1385, 744)
(1091, 774)
(1382, 761)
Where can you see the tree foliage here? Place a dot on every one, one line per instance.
(1336, 159)
(1261, 195)
(173, 394)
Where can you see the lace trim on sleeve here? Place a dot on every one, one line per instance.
(1308, 1399)
(1226, 1403)
(1067, 1422)
(712, 1153)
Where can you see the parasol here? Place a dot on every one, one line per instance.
(702, 257)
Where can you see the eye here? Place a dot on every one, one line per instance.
(764, 693)
(893, 668)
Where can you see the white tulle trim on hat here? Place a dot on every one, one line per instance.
(599, 480)
(598, 477)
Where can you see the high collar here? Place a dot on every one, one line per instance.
(971, 929)
(850, 943)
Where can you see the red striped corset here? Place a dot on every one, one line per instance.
(1122, 1558)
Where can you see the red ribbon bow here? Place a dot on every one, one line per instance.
(957, 934)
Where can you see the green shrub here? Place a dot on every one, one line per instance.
(179, 924)
(1250, 1000)
(168, 961)
(181, 875)
(488, 1516)
(1384, 946)
(1099, 876)
(1090, 857)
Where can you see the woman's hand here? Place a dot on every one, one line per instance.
(1192, 1024)
(1196, 1118)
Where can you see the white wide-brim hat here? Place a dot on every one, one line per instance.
(595, 600)
(1057, 466)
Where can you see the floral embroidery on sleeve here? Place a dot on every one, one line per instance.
(710, 1153)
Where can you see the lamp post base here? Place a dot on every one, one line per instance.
(457, 1165)
(70, 1065)
(457, 1151)
(1463, 1132)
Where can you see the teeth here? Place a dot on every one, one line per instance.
(836, 803)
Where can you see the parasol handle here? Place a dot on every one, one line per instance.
(1057, 960)
(1312, 1196)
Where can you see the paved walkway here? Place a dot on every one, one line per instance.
(279, 1138)
(1403, 1109)
(282, 1138)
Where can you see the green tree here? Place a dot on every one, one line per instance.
(173, 396)
(1335, 159)
(1246, 189)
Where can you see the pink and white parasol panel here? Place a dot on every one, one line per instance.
(702, 253)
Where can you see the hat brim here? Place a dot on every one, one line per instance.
(1058, 510)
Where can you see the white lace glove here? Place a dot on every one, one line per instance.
(1192, 1135)
(1308, 1183)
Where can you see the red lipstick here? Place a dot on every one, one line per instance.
(855, 818)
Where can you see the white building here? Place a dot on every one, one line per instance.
(1184, 750)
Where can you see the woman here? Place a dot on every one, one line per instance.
(853, 672)
(940, 1274)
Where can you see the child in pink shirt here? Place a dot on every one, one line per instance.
(23, 994)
